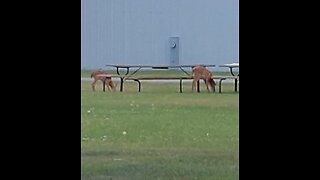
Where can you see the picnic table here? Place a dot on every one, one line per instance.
(231, 67)
(129, 76)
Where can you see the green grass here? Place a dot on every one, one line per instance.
(170, 135)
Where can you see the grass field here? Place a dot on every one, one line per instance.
(159, 133)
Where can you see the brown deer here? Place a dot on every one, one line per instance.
(200, 72)
(107, 80)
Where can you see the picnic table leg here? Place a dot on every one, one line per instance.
(235, 81)
(236, 85)
(121, 84)
(220, 83)
(139, 84)
(104, 85)
(198, 86)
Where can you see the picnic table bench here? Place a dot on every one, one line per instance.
(181, 78)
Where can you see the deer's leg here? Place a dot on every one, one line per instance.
(206, 82)
(103, 80)
(115, 86)
(194, 84)
(213, 85)
(107, 83)
(93, 84)
(112, 86)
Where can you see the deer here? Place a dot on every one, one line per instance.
(200, 72)
(105, 79)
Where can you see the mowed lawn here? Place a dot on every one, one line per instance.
(159, 133)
